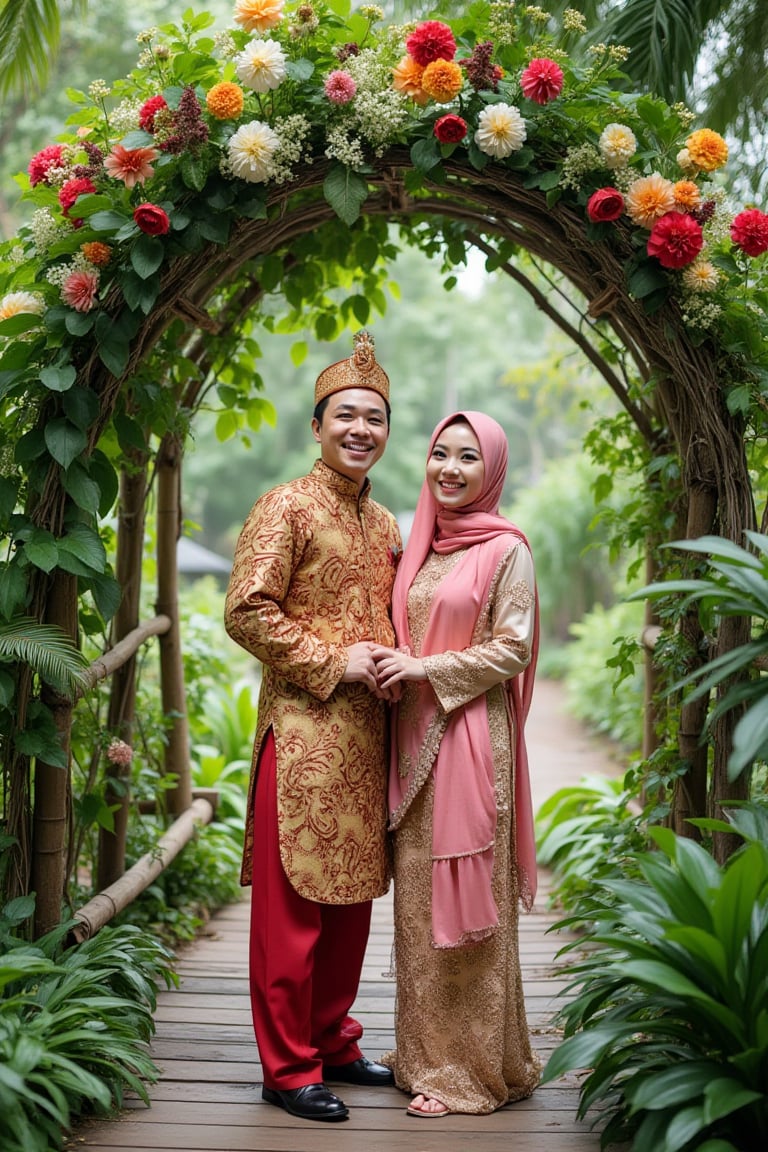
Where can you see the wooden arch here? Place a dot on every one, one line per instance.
(681, 407)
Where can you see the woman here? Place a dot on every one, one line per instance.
(466, 619)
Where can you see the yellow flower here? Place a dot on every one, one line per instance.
(686, 194)
(406, 78)
(707, 149)
(701, 276)
(17, 302)
(442, 80)
(649, 198)
(225, 100)
(258, 15)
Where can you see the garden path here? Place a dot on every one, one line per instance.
(208, 1098)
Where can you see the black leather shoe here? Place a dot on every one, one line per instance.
(362, 1071)
(312, 1102)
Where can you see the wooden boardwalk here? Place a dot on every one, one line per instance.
(208, 1098)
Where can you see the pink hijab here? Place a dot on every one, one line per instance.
(457, 748)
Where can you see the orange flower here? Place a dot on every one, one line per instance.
(442, 80)
(96, 253)
(686, 194)
(225, 100)
(258, 15)
(407, 78)
(707, 149)
(649, 198)
(131, 165)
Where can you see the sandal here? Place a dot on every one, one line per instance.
(427, 1113)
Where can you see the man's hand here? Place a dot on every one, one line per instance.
(394, 665)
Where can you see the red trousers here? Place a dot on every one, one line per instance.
(305, 959)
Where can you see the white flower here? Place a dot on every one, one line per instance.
(617, 145)
(261, 65)
(14, 303)
(500, 130)
(251, 150)
(701, 276)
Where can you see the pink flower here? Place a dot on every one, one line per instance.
(50, 157)
(340, 87)
(120, 753)
(79, 290)
(131, 165)
(605, 204)
(542, 80)
(152, 219)
(675, 240)
(69, 192)
(450, 129)
(148, 110)
(432, 40)
(749, 231)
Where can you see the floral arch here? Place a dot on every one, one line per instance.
(267, 161)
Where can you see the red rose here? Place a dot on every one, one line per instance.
(148, 110)
(542, 80)
(432, 40)
(675, 240)
(70, 191)
(749, 231)
(605, 204)
(450, 129)
(151, 219)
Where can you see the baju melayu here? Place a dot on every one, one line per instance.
(313, 573)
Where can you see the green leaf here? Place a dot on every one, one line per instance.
(103, 471)
(79, 323)
(140, 292)
(193, 172)
(13, 590)
(108, 221)
(300, 70)
(299, 351)
(81, 406)
(147, 254)
(84, 491)
(9, 490)
(425, 154)
(20, 323)
(41, 550)
(138, 139)
(646, 280)
(107, 595)
(85, 543)
(346, 192)
(64, 440)
(215, 228)
(58, 378)
(114, 356)
(130, 434)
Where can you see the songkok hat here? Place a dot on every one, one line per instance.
(359, 370)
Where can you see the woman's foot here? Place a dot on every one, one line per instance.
(427, 1106)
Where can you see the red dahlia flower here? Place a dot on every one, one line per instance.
(749, 231)
(49, 157)
(432, 40)
(542, 80)
(450, 129)
(605, 204)
(152, 219)
(148, 110)
(675, 240)
(70, 191)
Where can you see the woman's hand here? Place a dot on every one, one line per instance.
(394, 665)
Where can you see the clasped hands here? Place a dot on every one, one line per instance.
(382, 669)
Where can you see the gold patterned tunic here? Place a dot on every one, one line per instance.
(460, 1023)
(313, 573)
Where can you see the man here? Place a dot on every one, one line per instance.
(309, 596)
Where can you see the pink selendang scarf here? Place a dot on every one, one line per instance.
(458, 750)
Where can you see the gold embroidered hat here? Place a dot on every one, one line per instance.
(360, 370)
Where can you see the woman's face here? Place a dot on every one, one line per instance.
(455, 468)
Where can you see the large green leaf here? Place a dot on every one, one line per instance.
(674, 1085)
(64, 440)
(346, 192)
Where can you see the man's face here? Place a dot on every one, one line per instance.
(354, 432)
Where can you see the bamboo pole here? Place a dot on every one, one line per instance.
(102, 907)
(50, 819)
(116, 656)
(171, 665)
(122, 698)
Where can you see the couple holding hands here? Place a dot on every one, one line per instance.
(390, 738)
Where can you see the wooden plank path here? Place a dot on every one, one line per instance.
(208, 1098)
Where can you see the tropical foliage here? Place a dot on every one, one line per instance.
(75, 1023)
(670, 1011)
